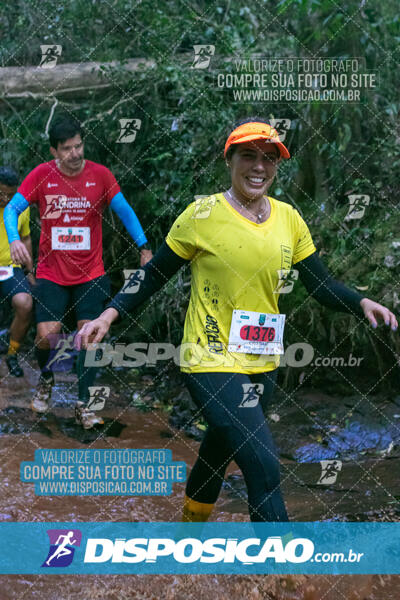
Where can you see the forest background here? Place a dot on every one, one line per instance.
(338, 149)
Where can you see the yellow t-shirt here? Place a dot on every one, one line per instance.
(23, 230)
(235, 264)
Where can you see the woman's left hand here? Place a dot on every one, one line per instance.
(373, 311)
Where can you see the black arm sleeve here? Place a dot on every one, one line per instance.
(147, 280)
(326, 290)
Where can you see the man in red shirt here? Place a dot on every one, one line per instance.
(71, 194)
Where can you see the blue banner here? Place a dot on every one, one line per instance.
(200, 548)
(128, 472)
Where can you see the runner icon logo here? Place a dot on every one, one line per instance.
(282, 126)
(55, 204)
(133, 279)
(128, 130)
(330, 470)
(97, 397)
(50, 54)
(251, 394)
(62, 351)
(287, 278)
(202, 56)
(62, 547)
(358, 202)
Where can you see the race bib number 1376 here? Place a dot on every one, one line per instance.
(256, 333)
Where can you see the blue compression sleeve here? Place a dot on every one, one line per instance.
(14, 208)
(128, 217)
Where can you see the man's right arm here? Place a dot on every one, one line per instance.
(18, 250)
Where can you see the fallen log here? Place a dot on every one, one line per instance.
(20, 82)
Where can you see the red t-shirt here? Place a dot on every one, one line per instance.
(71, 208)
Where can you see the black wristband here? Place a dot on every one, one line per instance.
(145, 247)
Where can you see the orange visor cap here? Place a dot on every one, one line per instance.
(256, 131)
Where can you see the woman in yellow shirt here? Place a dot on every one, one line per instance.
(241, 245)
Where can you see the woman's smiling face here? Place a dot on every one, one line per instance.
(253, 168)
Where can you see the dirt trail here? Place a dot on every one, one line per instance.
(365, 490)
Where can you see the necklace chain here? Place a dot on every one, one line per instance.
(258, 216)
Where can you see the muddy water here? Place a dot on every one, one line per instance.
(126, 427)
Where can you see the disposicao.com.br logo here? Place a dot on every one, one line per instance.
(157, 547)
(249, 551)
(191, 550)
(62, 547)
(181, 548)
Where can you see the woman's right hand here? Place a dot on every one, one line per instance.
(94, 331)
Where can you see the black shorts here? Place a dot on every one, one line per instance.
(85, 300)
(15, 285)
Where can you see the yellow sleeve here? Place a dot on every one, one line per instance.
(23, 223)
(304, 246)
(182, 235)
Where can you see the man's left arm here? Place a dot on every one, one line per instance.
(131, 223)
(27, 241)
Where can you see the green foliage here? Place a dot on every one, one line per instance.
(337, 149)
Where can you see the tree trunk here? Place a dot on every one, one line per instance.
(19, 82)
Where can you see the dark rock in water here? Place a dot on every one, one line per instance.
(16, 420)
(235, 486)
(358, 437)
(3, 341)
(68, 427)
(184, 402)
(64, 394)
(187, 426)
(194, 433)
(180, 419)
(314, 452)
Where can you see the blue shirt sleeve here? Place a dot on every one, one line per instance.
(14, 208)
(128, 217)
